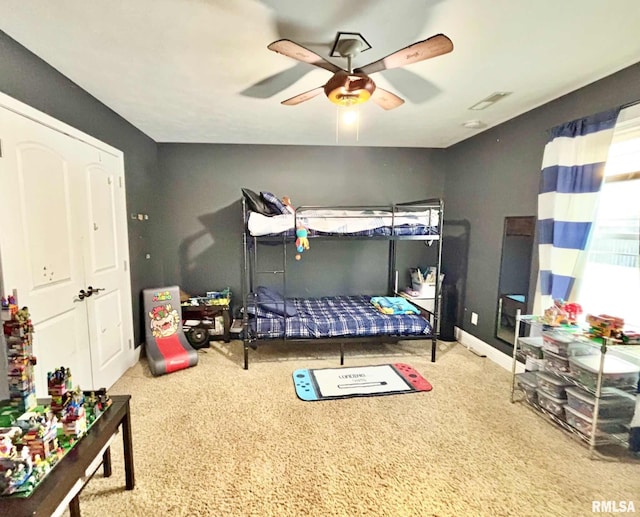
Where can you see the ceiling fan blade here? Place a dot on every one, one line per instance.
(295, 51)
(277, 82)
(303, 96)
(410, 85)
(426, 49)
(385, 99)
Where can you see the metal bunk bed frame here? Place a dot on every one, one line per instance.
(250, 271)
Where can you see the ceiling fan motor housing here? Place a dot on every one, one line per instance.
(347, 89)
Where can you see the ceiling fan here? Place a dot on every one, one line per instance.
(349, 87)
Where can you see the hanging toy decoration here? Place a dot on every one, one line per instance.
(302, 241)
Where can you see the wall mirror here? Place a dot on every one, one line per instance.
(515, 271)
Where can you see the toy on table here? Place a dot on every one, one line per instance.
(31, 445)
(562, 313)
(302, 241)
(605, 325)
(40, 433)
(74, 417)
(212, 298)
(96, 402)
(18, 334)
(612, 327)
(573, 310)
(9, 307)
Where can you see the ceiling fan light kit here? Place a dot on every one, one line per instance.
(349, 87)
(350, 117)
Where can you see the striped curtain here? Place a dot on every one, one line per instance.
(572, 174)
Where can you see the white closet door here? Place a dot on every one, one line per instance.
(106, 257)
(52, 197)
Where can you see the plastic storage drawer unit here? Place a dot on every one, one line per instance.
(584, 423)
(616, 372)
(552, 404)
(552, 384)
(564, 343)
(531, 347)
(528, 381)
(614, 403)
(555, 363)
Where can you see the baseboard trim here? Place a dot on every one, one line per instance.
(479, 347)
(136, 355)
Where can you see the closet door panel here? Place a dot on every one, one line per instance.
(40, 242)
(106, 269)
(45, 203)
(102, 217)
(48, 336)
(109, 342)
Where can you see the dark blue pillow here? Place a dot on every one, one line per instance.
(276, 205)
(273, 301)
(256, 203)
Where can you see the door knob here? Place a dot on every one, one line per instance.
(92, 290)
(82, 294)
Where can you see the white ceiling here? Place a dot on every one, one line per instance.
(188, 70)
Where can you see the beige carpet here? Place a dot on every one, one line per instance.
(216, 440)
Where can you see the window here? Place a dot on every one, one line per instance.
(611, 279)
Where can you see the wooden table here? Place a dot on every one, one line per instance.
(62, 486)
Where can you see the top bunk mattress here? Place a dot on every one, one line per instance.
(347, 222)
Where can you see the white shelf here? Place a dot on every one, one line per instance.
(626, 351)
(427, 304)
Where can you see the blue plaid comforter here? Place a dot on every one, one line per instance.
(335, 316)
(417, 229)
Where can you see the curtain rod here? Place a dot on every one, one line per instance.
(620, 107)
(629, 104)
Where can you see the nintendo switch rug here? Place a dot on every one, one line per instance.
(358, 381)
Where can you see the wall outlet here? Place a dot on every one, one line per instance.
(474, 318)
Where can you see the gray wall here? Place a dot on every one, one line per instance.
(496, 174)
(191, 192)
(201, 236)
(27, 78)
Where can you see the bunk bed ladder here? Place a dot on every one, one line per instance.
(436, 301)
(252, 259)
(246, 285)
(392, 281)
(257, 271)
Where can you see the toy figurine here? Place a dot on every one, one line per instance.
(287, 202)
(302, 241)
(573, 310)
(555, 315)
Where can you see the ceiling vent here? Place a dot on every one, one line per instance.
(492, 99)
